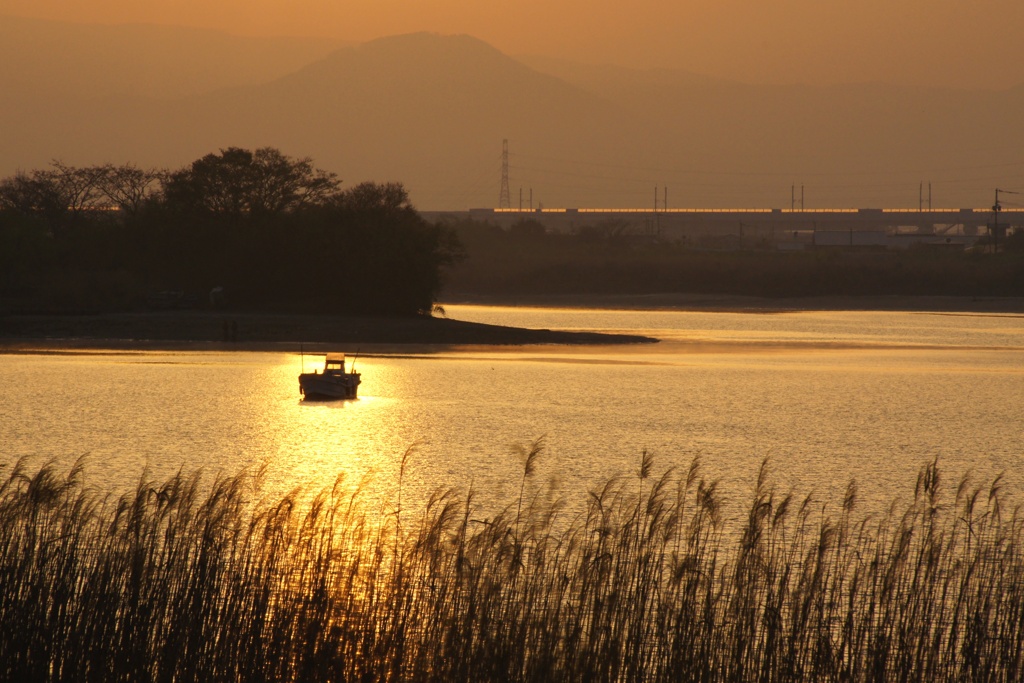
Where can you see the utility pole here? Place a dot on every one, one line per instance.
(504, 201)
(996, 208)
(995, 224)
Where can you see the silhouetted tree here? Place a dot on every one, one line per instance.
(382, 200)
(237, 182)
(275, 232)
(79, 187)
(59, 195)
(375, 253)
(30, 193)
(71, 191)
(128, 187)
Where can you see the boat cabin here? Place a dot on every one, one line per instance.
(335, 362)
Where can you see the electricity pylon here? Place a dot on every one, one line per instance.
(504, 200)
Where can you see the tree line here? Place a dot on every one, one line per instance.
(525, 260)
(262, 229)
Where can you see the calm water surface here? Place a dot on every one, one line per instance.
(827, 396)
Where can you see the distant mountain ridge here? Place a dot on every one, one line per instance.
(433, 106)
(431, 111)
(604, 77)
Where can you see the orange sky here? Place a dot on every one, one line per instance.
(964, 43)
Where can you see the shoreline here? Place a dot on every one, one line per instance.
(227, 330)
(223, 330)
(728, 303)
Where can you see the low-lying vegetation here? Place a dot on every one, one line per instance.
(184, 581)
(519, 263)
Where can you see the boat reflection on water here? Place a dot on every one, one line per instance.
(333, 383)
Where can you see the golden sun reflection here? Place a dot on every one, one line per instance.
(318, 443)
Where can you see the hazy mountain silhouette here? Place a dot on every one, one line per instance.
(607, 78)
(428, 110)
(431, 111)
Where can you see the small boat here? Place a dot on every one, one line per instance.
(333, 383)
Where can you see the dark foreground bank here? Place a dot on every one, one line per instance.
(200, 329)
(180, 581)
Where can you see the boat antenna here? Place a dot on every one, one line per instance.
(354, 362)
(302, 354)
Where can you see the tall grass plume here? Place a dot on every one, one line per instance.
(185, 580)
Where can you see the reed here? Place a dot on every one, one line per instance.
(185, 580)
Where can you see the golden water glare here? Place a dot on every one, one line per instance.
(827, 396)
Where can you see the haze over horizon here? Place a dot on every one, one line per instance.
(598, 112)
(907, 42)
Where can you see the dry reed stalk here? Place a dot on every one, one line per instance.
(183, 580)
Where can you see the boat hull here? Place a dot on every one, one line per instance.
(328, 387)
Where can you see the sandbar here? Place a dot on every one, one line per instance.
(260, 331)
